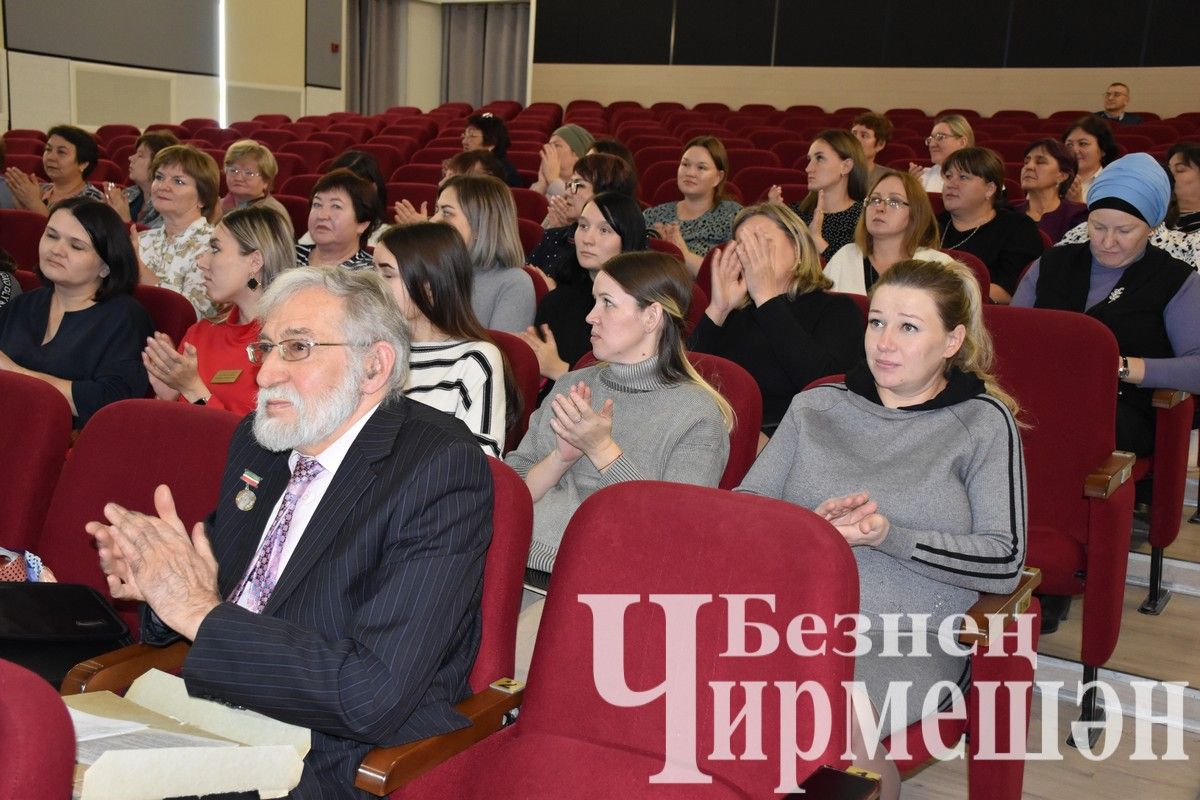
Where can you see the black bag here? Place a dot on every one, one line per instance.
(50, 627)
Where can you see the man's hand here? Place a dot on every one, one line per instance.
(154, 559)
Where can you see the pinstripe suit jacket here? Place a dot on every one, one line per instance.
(374, 624)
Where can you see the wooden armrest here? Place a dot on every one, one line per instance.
(116, 670)
(1108, 477)
(1168, 398)
(1005, 605)
(386, 769)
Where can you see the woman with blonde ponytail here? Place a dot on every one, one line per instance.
(642, 413)
(916, 460)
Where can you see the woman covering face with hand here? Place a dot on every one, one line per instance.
(859, 454)
(769, 309)
(248, 249)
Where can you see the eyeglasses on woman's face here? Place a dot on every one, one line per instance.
(892, 201)
(939, 138)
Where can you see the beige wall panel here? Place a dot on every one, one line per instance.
(243, 102)
(423, 56)
(323, 101)
(105, 94)
(264, 42)
(1164, 90)
(41, 90)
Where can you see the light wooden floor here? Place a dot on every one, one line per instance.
(1075, 777)
(1166, 647)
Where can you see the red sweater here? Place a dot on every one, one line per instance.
(222, 346)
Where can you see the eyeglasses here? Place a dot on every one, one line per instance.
(574, 186)
(289, 349)
(239, 172)
(891, 201)
(939, 138)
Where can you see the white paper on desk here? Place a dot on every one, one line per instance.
(90, 726)
(87, 752)
(154, 774)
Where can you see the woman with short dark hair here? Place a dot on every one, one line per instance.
(1046, 177)
(82, 332)
(342, 208)
(1091, 140)
(69, 157)
(134, 203)
(487, 131)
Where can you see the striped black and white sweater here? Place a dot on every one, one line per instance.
(464, 379)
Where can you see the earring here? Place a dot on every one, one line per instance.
(252, 284)
(104, 271)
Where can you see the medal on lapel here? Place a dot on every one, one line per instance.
(245, 498)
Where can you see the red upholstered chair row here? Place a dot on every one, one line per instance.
(38, 757)
(35, 436)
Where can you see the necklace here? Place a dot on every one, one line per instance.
(963, 241)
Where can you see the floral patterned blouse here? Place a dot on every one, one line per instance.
(173, 260)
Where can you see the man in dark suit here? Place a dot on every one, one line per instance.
(337, 584)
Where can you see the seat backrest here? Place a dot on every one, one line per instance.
(540, 289)
(125, 451)
(503, 576)
(1059, 366)
(977, 267)
(297, 209)
(33, 441)
(28, 163)
(676, 541)
(524, 365)
(530, 233)
(20, 232)
(530, 204)
(171, 312)
(740, 389)
(38, 757)
(755, 181)
(415, 193)
(740, 159)
(299, 185)
(430, 174)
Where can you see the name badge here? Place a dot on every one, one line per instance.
(226, 376)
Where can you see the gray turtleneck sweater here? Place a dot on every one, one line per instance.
(667, 432)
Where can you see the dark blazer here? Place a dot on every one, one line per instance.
(374, 624)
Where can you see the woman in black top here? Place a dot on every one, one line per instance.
(837, 183)
(769, 310)
(82, 332)
(976, 220)
(486, 131)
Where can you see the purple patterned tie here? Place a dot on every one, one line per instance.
(255, 589)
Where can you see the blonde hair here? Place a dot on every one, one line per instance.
(956, 295)
(808, 275)
(248, 148)
(653, 277)
(488, 206)
(264, 230)
(959, 126)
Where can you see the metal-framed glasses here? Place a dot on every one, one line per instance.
(894, 202)
(574, 186)
(939, 138)
(289, 349)
(239, 172)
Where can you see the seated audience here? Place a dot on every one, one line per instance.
(367, 633)
(82, 331)
(1095, 147)
(184, 187)
(454, 365)
(769, 310)
(611, 223)
(704, 217)
(1177, 244)
(249, 247)
(1183, 161)
(950, 132)
(567, 145)
(486, 131)
(1116, 99)
(250, 171)
(860, 454)
(593, 175)
(1046, 176)
(873, 131)
(611, 147)
(468, 162)
(977, 221)
(343, 208)
(69, 157)
(897, 225)
(1150, 300)
(366, 167)
(642, 413)
(481, 209)
(837, 184)
(134, 202)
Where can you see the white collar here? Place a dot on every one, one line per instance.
(332, 456)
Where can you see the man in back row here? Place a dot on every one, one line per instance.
(1116, 98)
(337, 584)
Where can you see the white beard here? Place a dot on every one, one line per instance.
(316, 419)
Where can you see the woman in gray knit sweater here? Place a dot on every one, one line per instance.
(642, 413)
(916, 459)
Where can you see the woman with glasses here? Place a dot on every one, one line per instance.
(704, 217)
(1046, 176)
(593, 175)
(249, 247)
(977, 221)
(950, 133)
(250, 171)
(769, 309)
(184, 189)
(837, 183)
(897, 225)
(486, 131)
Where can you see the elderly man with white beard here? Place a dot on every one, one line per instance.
(337, 583)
